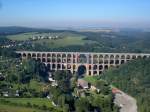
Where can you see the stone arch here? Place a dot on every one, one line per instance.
(24, 55)
(106, 67)
(53, 60)
(95, 67)
(100, 67)
(48, 55)
(133, 56)
(95, 58)
(95, 73)
(49, 67)
(38, 54)
(100, 56)
(33, 55)
(106, 57)
(117, 57)
(128, 57)
(53, 55)
(29, 55)
(43, 59)
(58, 66)
(53, 66)
(122, 56)
(43, 55)
(111, 56)
(48, 60)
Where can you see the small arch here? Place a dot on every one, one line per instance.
(68, 55)
(49, 66)
(106, 57)
(122, 61)
(38, 55)
(43, 60)
(24, 55)
(133, 57)
(139, 57)
(39, 59)
(58, 60)
(43, 55)
(100, 56)
(94, 67)
(90, 67)
(100, 61)
(111, 61)
(48, 60)
(128, 57)
(74, 67)
(95, 72)
(63, 67)
(117, 57)
(53, 66)
(111, 56)
(116, 62)
(29, 55)
(106, 66)
(34, 55)
(53, 55)
(123, 57)
(58, 55)
(105, 61)
(48, 55)
(53, 60)
(58, 66)
(63, 55)
(100, 67)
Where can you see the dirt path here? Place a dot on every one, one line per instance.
(126, 102)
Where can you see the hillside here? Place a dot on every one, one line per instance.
(133, 78)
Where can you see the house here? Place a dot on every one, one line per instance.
(5, 94)
(83, 84)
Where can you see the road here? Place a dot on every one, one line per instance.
(126, 102)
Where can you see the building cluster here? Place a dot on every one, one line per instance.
(41, 37)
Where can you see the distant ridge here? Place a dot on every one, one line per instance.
(10, 30)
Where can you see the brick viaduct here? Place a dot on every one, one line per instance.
(94, 63)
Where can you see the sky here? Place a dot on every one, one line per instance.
(75, 13)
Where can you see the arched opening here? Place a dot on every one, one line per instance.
(49, 67)
(94, 67)
(81, 70)
(33, 55)
(100, 67)
(58, 66)
(43, 55)
(29, 55)
(38, 55)
(48, 55)
(24, 55)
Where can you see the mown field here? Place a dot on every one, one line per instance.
(26, 105)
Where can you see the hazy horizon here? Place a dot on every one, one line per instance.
(75, 13)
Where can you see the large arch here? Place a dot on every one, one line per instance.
(82, 70)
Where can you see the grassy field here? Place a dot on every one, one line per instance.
(22, 36)
(65, 40)
(39, 102)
